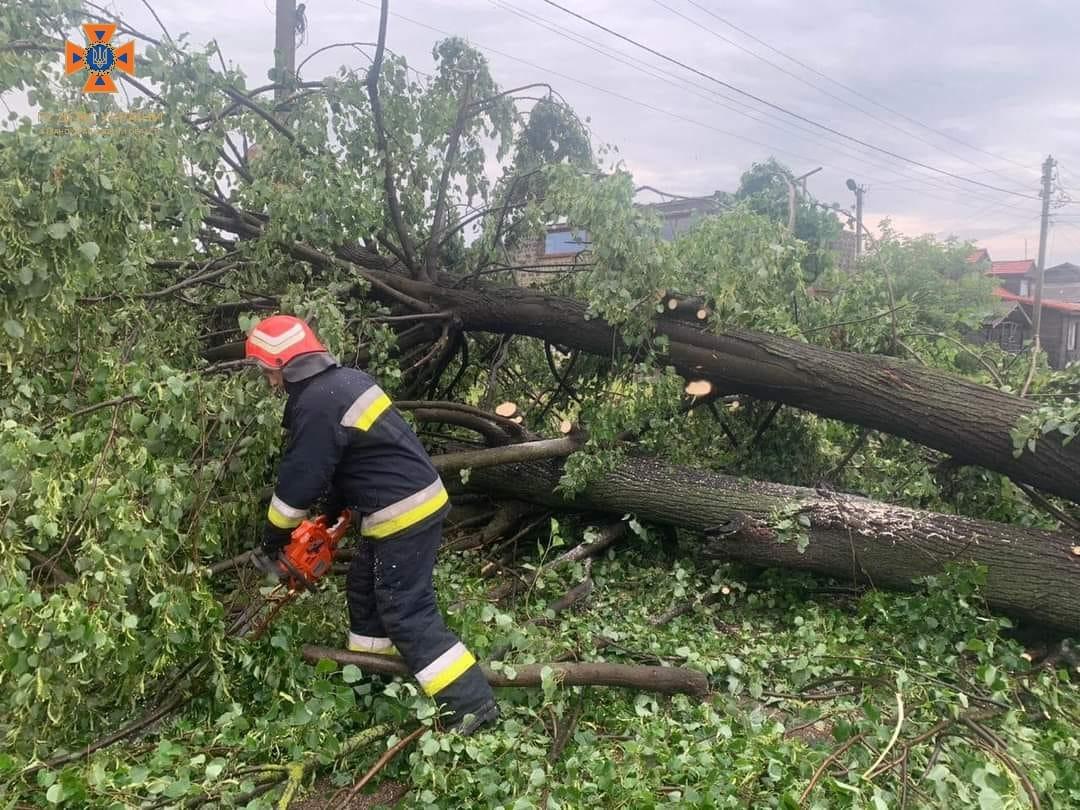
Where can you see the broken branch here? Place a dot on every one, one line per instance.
(664, 680)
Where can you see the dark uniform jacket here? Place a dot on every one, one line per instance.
(345, 437)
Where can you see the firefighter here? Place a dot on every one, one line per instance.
(348, 443)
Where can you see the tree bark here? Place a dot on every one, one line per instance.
(495, 456)
(1031, 574)
(969, 421)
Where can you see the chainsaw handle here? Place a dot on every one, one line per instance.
(338, 530)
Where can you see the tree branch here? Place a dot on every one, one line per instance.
(510, 454)
(392, 202)
(665, 680)
(452, 146)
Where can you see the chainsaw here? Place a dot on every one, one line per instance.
(302, 563)
(310, 551)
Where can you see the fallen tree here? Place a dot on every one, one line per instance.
(1031, 574)
(970, 422)
(973, 423)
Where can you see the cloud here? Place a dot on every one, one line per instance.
(996, 76)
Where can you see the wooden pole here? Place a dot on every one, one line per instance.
(1040, 272)
(284, 47)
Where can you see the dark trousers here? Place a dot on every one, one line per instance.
(392, 608)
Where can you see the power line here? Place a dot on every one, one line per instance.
(825, 92)
(784, 110)
(637, 102)
(679, 82)
(855, 92)
(599, 89)
(743, 109)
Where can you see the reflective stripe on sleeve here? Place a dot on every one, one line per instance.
(371, 644)
(367, 407)
(405, 513)
(284, 516)
(445, 669)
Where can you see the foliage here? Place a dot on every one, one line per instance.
(1058, 393)
(767, 188)
(127, 465)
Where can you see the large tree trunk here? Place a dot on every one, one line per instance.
(971, 422)
(1032, 574)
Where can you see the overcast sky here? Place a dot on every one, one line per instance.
(988, 88)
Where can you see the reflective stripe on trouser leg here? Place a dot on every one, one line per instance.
(405, 595)
(366, 631)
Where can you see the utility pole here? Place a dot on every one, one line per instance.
(859, 192)
(1040, 270)
(284, 47)
(801, 179)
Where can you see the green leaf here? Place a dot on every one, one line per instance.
(26, 275)
(178, 788)
(58, 230)
(990, 799)
(55, 794)
(214, 768)
(14, 328)
(351, 673)
(89, 250)
(67, 201)
(16, 638)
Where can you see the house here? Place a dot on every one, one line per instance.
(1058, 330)
(1009, 330)
(1062, 281)
(1060, 318)
(558, 248)
(1018, 277)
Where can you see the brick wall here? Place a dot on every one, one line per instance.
(532, 253)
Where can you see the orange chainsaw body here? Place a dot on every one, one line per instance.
(310, 552)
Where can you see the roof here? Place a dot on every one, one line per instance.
(1063, 267)
(688, 205)
(1015, 308)
(1015, 268)
(1048, 303)
(980, 255)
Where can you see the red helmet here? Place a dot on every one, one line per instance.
(279, 339)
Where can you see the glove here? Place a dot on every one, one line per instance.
(268, 555)
(274, 539)
(333, 507)
(267, 564)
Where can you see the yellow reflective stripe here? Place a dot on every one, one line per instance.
(445, 669)
(367, 408)
(374, 411)
(281, 521)
(410, 517)
(284, 516)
